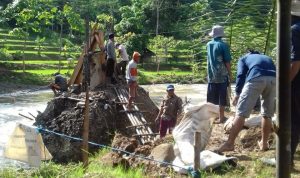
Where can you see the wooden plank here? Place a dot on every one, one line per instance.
(76, 77)
(143, 135)
(142, 125)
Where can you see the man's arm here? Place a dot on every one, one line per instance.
(240, 76)
(160, 111)
(228, 67)
(295, 66)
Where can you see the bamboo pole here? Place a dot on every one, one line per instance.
(129, 115)
(86, 120)
(197, 147)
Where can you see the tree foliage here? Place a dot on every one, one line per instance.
(161, 25)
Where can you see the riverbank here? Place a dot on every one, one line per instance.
(11, 81)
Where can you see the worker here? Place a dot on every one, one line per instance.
(131, 77)
(256, 76)
(60, 84)
(170, 108)
(121, 66)
(111, 58)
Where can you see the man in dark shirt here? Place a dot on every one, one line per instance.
(256, 75)
(60, 84)
(111, 59)
(295, 77)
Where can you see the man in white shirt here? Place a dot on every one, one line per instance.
(121, 66)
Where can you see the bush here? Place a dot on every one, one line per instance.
(4, 55)
(18, 55)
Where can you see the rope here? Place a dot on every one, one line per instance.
(189, 170)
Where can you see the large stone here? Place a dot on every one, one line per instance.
(163, 152)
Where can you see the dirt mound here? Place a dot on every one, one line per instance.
(64, 115)
(141, 152)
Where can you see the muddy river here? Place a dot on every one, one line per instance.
(30, 103)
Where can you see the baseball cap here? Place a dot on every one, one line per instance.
(170, 87)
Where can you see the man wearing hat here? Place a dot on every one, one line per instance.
(170, 108)
(295, 77)
(59, 85)
(111, 58)
(218, 69)
(131, 77)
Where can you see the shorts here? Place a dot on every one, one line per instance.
(264, 86)
(216, 93)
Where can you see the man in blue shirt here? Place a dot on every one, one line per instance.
(218, 69)
(256, 75)
(295, 78)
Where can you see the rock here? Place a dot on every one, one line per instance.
(163, 152)
(113, 159)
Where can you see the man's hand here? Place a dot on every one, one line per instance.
(235, 100)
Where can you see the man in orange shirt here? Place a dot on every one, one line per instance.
(131, 77)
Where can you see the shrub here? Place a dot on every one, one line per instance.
(4, 55)
(17, 56)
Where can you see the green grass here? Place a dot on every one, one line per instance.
(31, 46)
(96, 168)
(44, 71)
(73, 170)
(53, 61)
(42, 52)
(175, 71)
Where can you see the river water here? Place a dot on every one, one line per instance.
(26, 103)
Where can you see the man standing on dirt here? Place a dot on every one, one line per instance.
(131, 77)
(256, 75)
(111, 58)
(295, 78)
(170, 108)
(60, 84)
(121, 66)
(218, 69)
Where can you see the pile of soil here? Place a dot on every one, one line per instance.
(118, 158)
(64, 115)
(246, 143)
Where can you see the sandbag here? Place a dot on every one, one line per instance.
(208, 160)
(196, 118)
(26, 145)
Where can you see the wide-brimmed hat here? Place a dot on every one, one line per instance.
(295, 8)
(217, 31)
(170, 87)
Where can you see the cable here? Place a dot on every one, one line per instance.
(40, 129)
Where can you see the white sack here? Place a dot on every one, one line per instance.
(196, 118)
(208, 159)
(252, 121)
(26, 144)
